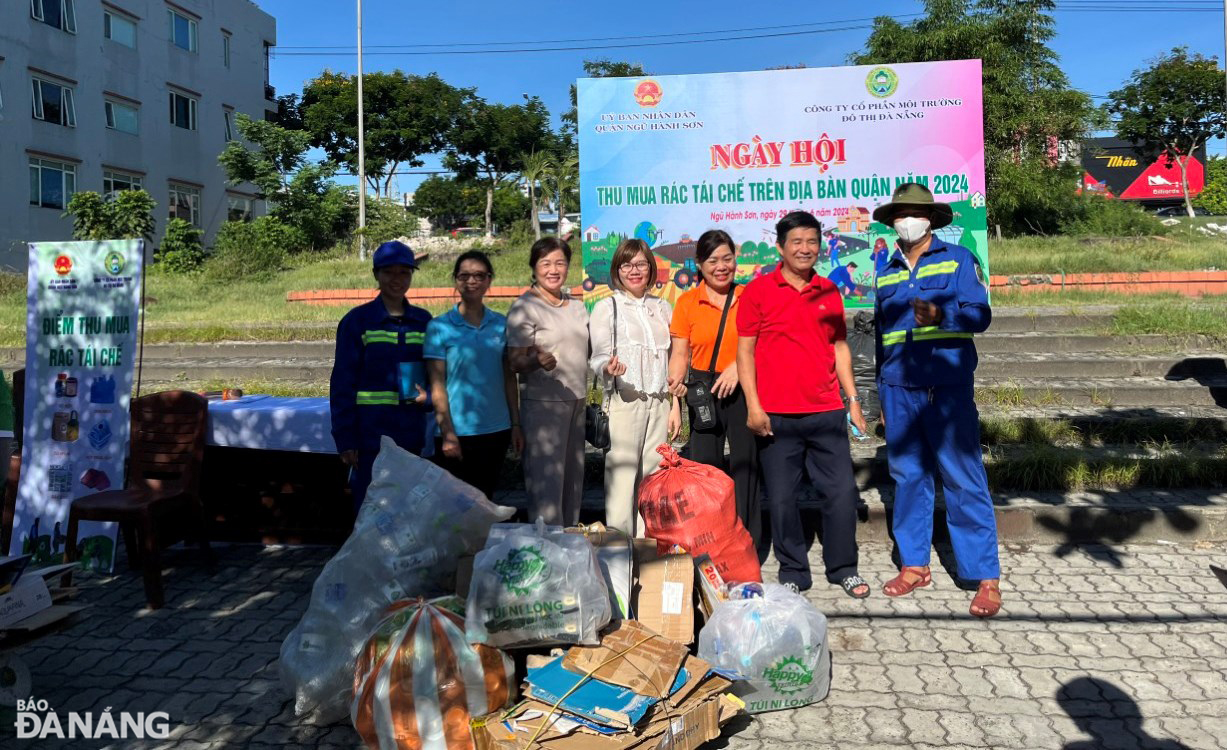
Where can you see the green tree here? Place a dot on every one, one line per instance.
(125, 215)
(408, 117)
(594, 69)
(299, 191)
(534, 167)
(453, 202)
(180, 251)
(1171, 109)
(1029, 104)
(489, 140)
(1213, 197)
(563, 182)
(443, 201)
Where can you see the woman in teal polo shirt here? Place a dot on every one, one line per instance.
(474, 391)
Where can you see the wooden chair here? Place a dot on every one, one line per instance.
(161, 503)
(12, 464)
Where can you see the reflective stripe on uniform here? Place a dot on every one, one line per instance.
(379, 337)
(892, 278)
(370, 398)
(938, 269)
(391, 337)
(923, 333)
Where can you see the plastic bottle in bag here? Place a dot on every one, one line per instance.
(536, 585)
(777, 643)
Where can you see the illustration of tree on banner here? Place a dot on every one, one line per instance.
(1171, 109)
(415, 114)
(490, 139)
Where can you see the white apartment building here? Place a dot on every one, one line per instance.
(120, 94)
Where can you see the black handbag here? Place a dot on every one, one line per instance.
(596, 416)
(699, 383)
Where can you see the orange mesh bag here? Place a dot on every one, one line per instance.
(418, 682)
(693, 505)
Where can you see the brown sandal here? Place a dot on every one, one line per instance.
(987, 601)
(908, 580)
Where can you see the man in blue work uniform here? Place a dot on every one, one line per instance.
(931, 300)
(842, 278)
(378, 380)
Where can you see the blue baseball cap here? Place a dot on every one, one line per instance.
(394, 254)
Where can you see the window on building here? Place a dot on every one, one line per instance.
(61, 14)
(182, 30)
(119, 28)
(116, 182)
(122, 117)
(185, 204)
(53, 103)
(239, 208)
(229, 115)
(52, 183)
(182, 111)
(225, 49)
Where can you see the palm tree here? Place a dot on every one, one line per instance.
(535, 166)
(564, 182)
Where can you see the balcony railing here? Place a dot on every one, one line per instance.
(270, 93)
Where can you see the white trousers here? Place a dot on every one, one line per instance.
(636, 427)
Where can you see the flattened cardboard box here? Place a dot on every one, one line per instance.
(664, 592)
(691, 717)
(648, 663)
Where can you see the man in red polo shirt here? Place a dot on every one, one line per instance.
(792, 358)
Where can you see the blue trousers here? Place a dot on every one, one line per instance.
(931, 431)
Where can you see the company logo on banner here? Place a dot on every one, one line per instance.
(738, 151)
(882, 82)
(82, 304)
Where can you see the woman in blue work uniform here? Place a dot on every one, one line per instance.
(931, 300)
(378, 376)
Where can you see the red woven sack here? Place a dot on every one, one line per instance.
(693, 505)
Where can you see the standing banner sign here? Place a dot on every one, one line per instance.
(665, 158)
(83, 299)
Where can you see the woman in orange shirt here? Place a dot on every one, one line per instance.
(696, 357)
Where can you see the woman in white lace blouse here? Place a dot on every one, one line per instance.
(629, 332)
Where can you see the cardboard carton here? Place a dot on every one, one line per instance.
(28, 597)
(664, 592)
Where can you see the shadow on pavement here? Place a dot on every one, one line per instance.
(1108, 715)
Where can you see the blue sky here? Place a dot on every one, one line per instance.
(1099, 47)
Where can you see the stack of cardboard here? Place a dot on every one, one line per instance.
(636, 689)
(27, 601)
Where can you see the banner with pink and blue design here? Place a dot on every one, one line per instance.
(665, 158)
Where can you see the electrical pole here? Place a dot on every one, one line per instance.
(362, 154)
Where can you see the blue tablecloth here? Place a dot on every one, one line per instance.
(272, 423)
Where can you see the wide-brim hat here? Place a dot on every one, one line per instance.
(914, 195)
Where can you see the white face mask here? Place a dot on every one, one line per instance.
(911, 229)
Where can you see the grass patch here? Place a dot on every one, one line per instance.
(1008, 396)
(1182, 318)
(1008, 431)
(1181, 251)
(194, 308)
(1048, 468)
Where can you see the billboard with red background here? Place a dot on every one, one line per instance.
(1111, 167)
